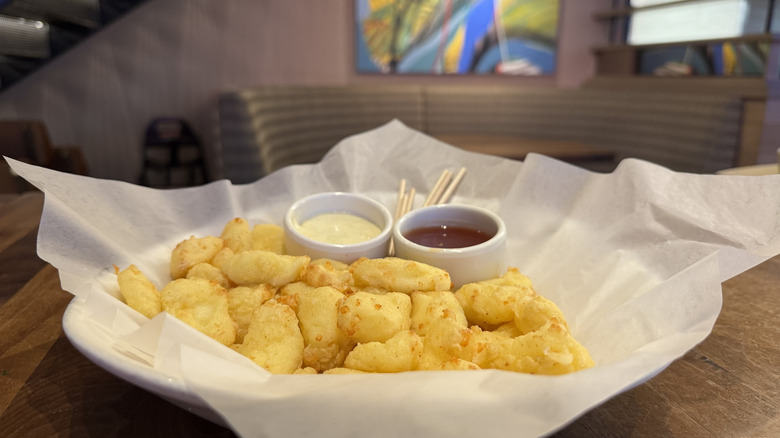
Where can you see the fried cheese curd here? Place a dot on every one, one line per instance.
(293, 315)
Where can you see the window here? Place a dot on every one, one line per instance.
(658, 21)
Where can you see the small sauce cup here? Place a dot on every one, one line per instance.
(465, 264)
(298, 243)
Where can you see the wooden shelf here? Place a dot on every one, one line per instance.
(746, 88)
(763, 37)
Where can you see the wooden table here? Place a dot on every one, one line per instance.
(517, 147)
(728, 386)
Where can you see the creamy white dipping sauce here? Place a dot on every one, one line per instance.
(339, 228)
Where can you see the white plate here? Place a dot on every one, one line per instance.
(651, 288)
(98, 346)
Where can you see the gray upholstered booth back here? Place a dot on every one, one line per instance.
(265, 128)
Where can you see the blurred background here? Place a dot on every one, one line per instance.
(111, 80)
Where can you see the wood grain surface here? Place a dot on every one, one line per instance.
(728, 386)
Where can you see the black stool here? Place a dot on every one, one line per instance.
(173, 156)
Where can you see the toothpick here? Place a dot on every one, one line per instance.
(453, 185)
(438, 188)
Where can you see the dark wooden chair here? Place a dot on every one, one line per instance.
(173, 155)
(29, 141)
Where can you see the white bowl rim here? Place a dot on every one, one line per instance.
(384, 234)
(499, 236)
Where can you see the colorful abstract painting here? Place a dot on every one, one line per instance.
(512, 37)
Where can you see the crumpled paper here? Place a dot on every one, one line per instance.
(634, 259)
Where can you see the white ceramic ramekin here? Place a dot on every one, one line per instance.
(337, 202)
(465, 265)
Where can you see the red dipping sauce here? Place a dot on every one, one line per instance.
(444, 236)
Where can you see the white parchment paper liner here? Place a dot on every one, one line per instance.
(634, 259)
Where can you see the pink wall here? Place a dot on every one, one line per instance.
(174, 57)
